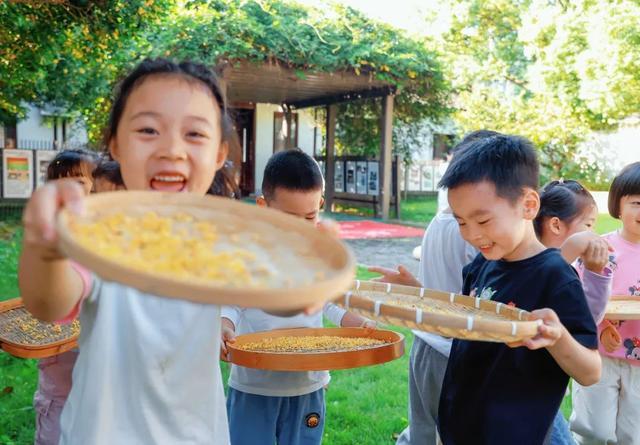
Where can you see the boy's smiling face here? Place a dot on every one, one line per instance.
(301, 203)
(496, 226)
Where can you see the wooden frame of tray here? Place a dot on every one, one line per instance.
(24, 350)
(337, 257)
(317, 361)
(443, 313)
(623, 307)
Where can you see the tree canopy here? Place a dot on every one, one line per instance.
(553, 71)
(71, 55)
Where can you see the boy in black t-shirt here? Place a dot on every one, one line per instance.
(506, 394)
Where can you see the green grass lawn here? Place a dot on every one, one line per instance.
(364, 406)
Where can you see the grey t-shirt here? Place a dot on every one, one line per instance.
(444, 254)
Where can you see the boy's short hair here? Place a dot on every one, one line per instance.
(508, 162)
(72, 163)
(291, 170)
(109, 170)
(626, 183)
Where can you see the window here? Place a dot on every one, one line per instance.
(284, 137)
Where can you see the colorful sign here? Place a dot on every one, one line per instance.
(17, 173)
(43, 159)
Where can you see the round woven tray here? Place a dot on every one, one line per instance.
(623, 307)
(392, 349)
(308, 266)
(446, 314)
(24, 336)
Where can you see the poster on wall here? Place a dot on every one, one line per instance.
(428, 184)
(361, 177)
(374, 177)
(43, 159)
(17, 173)
(338, 177)
(350, 167)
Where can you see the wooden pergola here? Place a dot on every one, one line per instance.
(296, 89)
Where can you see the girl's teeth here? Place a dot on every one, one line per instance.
(168, 178)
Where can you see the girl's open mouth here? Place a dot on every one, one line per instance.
(173, 182)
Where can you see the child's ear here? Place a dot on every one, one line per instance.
(553, 224)
(113, 149)
(322, 202)
(531, 204)
(261, 202)
(223, 152)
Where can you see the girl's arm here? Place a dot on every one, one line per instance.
(597, 289)
(49, 286)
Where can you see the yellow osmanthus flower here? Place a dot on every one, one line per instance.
(321, 343)
(178, 246)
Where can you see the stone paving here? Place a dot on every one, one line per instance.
(387, 252)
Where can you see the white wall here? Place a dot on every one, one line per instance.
(264, 139)
(264, 136)
(34, 130)
(33, 127)
(306, 124)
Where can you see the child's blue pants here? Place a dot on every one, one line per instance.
(264, 420)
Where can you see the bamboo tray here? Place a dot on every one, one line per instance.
(61, 338)
(443, 313)
(317, 361)
(313, 266)
(623, 307)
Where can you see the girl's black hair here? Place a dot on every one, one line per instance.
(626, 183)
(71, 164)
(110, 170)
(225, 182)
(564, 199)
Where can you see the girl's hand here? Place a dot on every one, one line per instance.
(228, 335)
(40, 215)
(610, 338)
(549, 332)
(400, 276)
(596, 255)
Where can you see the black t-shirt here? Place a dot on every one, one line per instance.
(494, 394)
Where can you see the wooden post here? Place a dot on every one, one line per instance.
(396, 186)
(330, 158)
(386, 129)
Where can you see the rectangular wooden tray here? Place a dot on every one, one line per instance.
(623, 307)
(317, 361)
(10, 341)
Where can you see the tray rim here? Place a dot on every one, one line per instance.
(269, 298)
(513, 330)
(389, 351)
(23, 350)
(622, 316)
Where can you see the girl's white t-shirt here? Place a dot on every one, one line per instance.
(147, 372)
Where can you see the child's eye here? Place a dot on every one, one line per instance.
(483, 222)
(460, 223)
(147, 130)
(196, 134)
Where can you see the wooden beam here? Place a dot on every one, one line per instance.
(386, 129)
(343, 97)
(332, 110)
